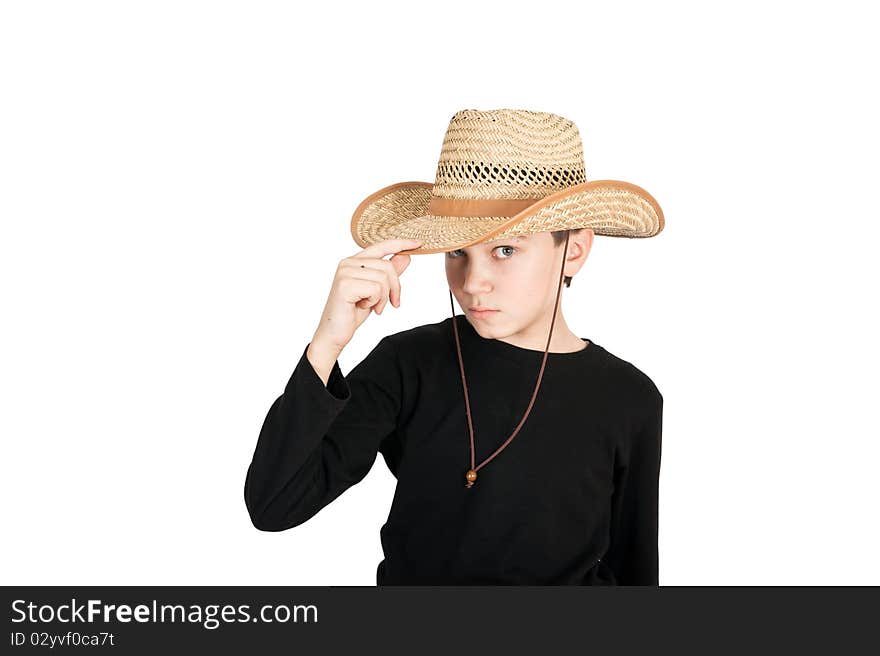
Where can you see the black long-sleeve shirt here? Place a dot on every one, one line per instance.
(571, 500)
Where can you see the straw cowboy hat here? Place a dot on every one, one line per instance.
(502, 173)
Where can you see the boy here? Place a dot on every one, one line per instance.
(573, 499)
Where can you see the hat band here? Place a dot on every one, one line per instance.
(476, 207)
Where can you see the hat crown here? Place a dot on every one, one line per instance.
(508, 153)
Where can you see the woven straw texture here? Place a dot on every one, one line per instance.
(535, 158)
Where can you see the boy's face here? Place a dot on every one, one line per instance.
(516, 276)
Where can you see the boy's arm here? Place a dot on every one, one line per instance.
(318, 440)
(634, 555)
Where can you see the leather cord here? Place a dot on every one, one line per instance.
(471, 474)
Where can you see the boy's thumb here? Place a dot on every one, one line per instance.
(401, 262)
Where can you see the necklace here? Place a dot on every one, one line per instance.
(471, 474)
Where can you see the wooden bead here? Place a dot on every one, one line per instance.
(471, 475)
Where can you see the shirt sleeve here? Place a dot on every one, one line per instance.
(317, 441)
(633, 555)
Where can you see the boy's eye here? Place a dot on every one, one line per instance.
(454, 254)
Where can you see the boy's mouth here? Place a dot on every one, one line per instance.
(482, 313)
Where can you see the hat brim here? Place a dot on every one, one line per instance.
(608, 207)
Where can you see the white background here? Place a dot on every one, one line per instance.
(176, 185)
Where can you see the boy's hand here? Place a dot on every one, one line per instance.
(363, 283)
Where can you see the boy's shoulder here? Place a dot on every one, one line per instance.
(630, 379)
(425, 336)
(628, 369)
